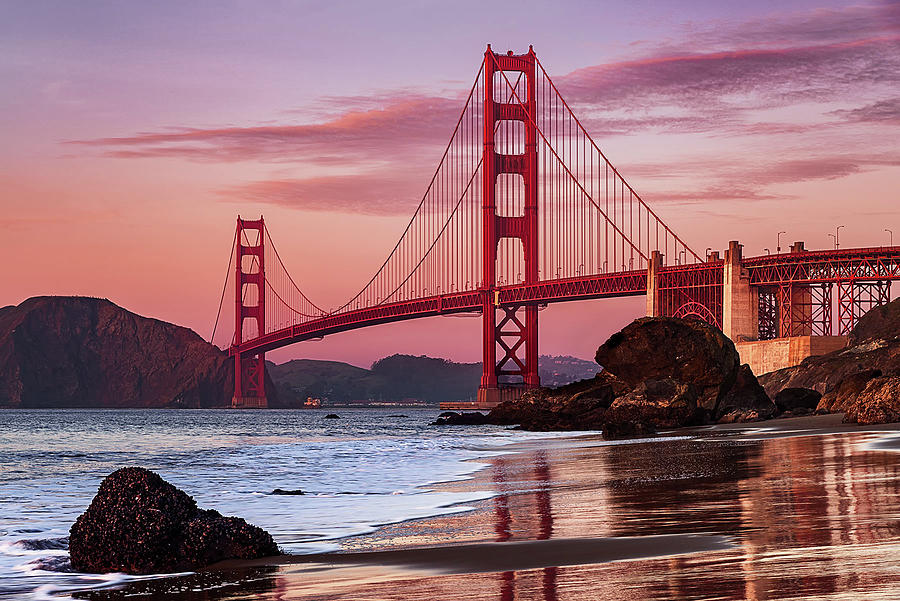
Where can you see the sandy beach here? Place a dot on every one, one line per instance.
(786, 509)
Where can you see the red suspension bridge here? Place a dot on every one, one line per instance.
(524, 209)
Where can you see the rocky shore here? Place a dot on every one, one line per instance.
(861, 381)
(668, 373)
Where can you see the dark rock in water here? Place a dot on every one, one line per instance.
(791, 399)
(281, 491)
(332, 416)
(746, 400)
(451, 418)
(839, 398)
(878, 403)
(653, 404)
(686, 350)
(140, 524)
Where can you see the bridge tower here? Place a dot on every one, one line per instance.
(250, 286)
(517, 326)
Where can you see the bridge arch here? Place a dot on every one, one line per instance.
(697, 310)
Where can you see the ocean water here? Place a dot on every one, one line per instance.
(368, 468)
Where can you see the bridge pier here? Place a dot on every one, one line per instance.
(740, 302)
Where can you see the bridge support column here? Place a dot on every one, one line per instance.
(740, 303)
(249, 303)
(653, 284)
(516, 332)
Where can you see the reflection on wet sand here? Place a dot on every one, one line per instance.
(810, 516)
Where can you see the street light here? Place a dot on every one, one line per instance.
(891, 235)
(768, 252)
(708, 249)
(778, 238)
(837, 236)
(833, 238)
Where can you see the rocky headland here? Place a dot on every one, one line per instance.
(66, 351)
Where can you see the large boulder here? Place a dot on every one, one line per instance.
(878, 403)
(140, 524)
(658, 373)
(691, 351)
(878, 323)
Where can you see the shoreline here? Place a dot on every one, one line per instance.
(558, 505)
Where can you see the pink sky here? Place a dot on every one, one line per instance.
(133, 135)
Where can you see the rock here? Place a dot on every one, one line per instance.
(874, 345)
(658, 373)
(618, 430)
(281, 491)
(332, 416)
(577, 406)
(879, 323)
(451, 418)
(846, 391)
(740, 416)
(690, 351)
(140, 524)
(878, 403)
(792, 399)
(654, 404)
(747, 399)
(65, 351)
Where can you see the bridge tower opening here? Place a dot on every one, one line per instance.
(511, 329)
(250, 304)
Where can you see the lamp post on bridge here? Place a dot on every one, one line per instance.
(778, 240)
(768, 252)
(837, 236)
(891, 234)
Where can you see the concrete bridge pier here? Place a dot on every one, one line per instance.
(740, 301)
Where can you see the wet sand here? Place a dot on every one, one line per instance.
(785, 509)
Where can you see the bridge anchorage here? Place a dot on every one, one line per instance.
(523, 210)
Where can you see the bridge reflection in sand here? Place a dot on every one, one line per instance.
(803, 515)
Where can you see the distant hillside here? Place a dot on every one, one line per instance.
(64, 351)
(401, 377)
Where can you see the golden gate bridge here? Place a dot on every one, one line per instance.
(524, 209)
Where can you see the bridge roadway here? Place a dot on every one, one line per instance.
(807, 267)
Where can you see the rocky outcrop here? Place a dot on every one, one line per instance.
(140, 524)
(656, 348)
(794, 399)
(658, 373)
(842, 377)
(878, 403)
(89, 352)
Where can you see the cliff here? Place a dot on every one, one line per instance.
(88, 352)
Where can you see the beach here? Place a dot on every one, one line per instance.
(785, 509)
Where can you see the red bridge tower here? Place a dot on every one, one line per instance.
(518, 324)
(250, 287)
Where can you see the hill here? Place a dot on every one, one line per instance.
(401, 377)
(64, 351)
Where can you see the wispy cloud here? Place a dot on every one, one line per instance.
(723, 80)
